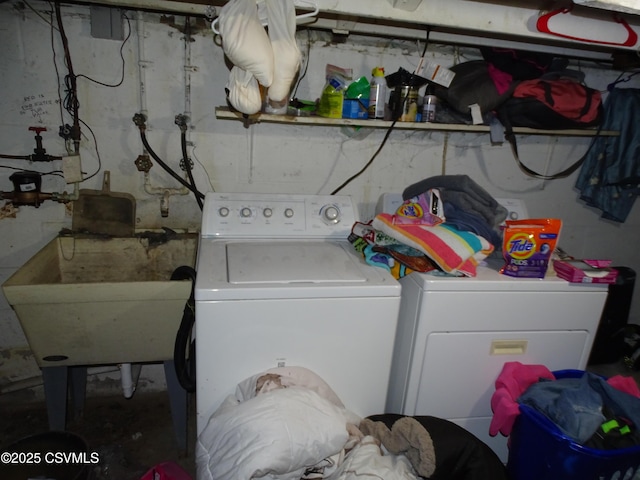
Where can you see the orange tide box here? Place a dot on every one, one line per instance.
(585, 271)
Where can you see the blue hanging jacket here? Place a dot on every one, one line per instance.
(610, 175)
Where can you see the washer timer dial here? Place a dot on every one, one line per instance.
(330, 214)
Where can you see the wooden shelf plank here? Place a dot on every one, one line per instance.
(228, 114)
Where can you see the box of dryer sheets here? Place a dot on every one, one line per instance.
(585, 271)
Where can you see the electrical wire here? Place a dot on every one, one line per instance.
(95, 142)
(353, 177)
(306, 64)
(71, 101)
(389, 130)
(15, 157)
(55, 173)
(187, 167)
(384, 141)
(55, 64)
(426, 43)
(195, 157)
(183, 120)
(48, 22)
(121, 57)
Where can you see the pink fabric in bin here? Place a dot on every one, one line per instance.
(166, 471)
(514, 379)
(625, 384)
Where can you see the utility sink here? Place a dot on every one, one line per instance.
(91, 300)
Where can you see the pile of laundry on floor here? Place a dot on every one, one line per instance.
(287, 424)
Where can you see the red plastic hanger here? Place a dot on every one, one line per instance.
(543, 26)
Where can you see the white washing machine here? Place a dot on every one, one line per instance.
(278, 284)
(456, 333)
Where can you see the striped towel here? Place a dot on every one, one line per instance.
(454, 251)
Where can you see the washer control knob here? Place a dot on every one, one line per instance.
(245, 212)
(330, 214)
(223, 211)
(288, 212)
(513, 215)
(267, 212)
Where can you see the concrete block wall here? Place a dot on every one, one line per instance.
(163, 75)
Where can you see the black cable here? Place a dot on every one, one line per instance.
(426, 43)
(384, 140)
(306, 65)
(56, 173)
(16, 157)
(185, 364)
(95, 142)
(182, 122)
(121, 56)
(55, 65)
(73, 105)
(187, 166)
(403, 102)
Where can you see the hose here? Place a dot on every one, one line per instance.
(187, 166)
(184, 350)
(139, 120)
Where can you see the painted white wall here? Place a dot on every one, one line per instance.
(230, 157)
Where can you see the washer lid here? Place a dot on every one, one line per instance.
(290, 262)
(259, 269)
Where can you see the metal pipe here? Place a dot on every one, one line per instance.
(129, 378)
(164, 192)
(142, 64)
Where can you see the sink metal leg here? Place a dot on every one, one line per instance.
(178, 397)
(58, 383)
(55, 392)
(78, 388)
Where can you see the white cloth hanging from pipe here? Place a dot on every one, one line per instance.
(244, 91)
(245, 41)
(272, 57)
(286, 54)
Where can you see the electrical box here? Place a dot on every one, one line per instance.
(106, 22)
(72, 169)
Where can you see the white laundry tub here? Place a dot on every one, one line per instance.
(91, 301)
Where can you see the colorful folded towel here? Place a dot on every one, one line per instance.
(453, 250)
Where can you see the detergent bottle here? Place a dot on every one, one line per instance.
(377, 94)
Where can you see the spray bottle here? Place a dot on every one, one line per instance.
(378, 93)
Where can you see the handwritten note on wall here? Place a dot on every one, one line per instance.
(38, 107)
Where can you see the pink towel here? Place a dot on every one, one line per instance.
(625, 384)
(453, 250)
(514, 379)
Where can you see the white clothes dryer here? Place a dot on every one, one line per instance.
(279, 284)
(455, 335)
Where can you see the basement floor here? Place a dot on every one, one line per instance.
(130, 435)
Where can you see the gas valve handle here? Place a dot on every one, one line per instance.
(39, 153)
(37, 129)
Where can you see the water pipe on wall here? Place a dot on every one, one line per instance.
(143, 162)
(163, 192)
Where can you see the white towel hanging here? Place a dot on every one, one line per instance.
(302, 4)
